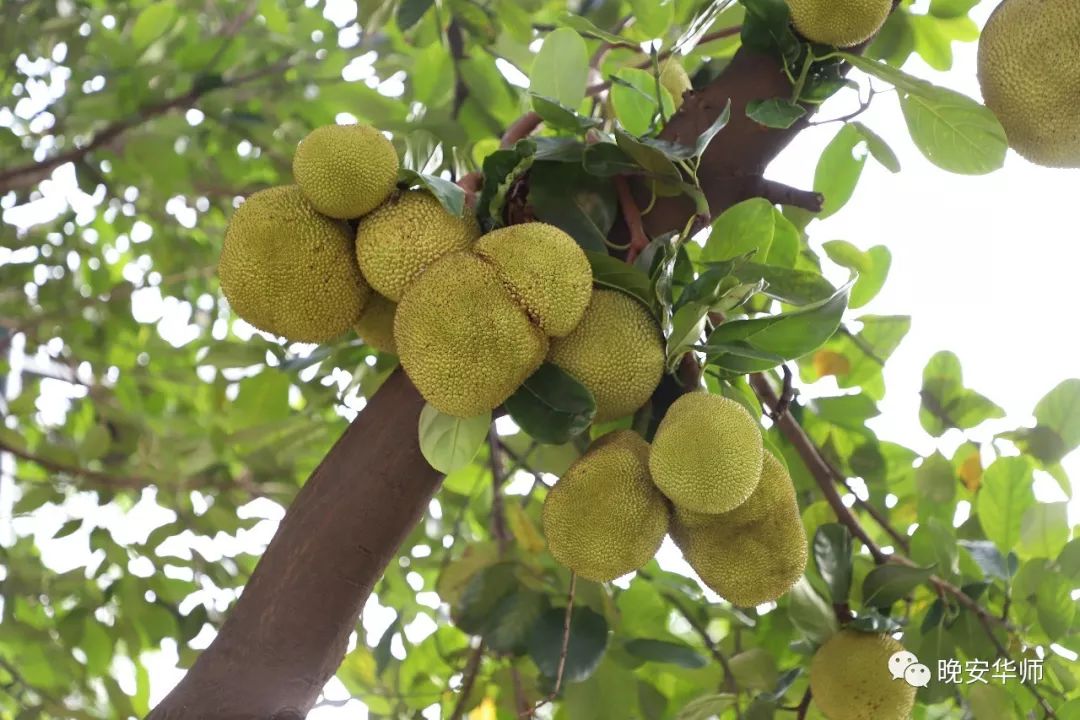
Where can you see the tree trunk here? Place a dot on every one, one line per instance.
(287, 633)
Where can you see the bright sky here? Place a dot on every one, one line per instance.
(983, 264)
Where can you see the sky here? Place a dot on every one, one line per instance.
(984, 265)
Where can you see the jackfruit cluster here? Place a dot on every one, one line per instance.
(850, 678)
(1029, 72)
(842, 23)
(609, 513)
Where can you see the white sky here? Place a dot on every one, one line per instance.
(983, 264)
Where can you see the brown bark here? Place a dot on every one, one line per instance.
(287, 633)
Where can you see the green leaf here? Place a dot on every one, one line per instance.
(1004, 496)
(777, 113)
(634, 99)
(810, 613)
(1059, 410)
(653, 17)
(606, 159)
(706, 707)
(832, 556)
(794, 287)
(872, 266)
(585, 27)
(409, 12)
(988, 558)
(552, 406)
(665, 651)
(614, 274)
(153, 22)
(588, 641)
(754, 669)
(953, 131)
(449, 442)
(749, 226)
(448, 194)
(878, 148)
(582, 205)
(1055, 607)
(512, 621)
(68, 528)
(561, 68)
(936, 483)
(561, 118)
(886, 584)
(483, 592)
(382, 649)
(946, 403)
(1044, 530)
(838, 169)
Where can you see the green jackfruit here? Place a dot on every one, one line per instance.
(462, 339)
(604, 517)
(674, 79)
(290, 271)
(839, 22)
(754, 553)
(545, 270)
(1029, 71)
(850, 679)
(376, 324)
(707, 453)
(616, 351)
(396, 242)
(345, 170)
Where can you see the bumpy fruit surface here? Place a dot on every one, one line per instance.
(396, 242)
(839, 22)
(545, 270)
(604, 517)
(376, 324)
(754, 553)
(616, 351)
(290, 271)
(674, 79)
(850, 679)
(1029, 71)
(345, 170)
(462, 339)
(707, 453)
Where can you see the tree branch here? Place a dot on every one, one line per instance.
(104, 479)
(567, 617)
(632, 217)
(472, 670)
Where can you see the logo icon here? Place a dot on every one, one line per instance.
(900, 661)
(917, 675)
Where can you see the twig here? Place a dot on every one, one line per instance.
(519, 129)
(804, 706)
(730, 683)
(456, 42)
(521, 702)
(105, 479)
(562, 651)
(498, 513)
(780, 194)
(472, 669)
(632, 215)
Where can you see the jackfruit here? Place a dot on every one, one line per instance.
(604, 517)
(674, 79)
(850, 679)
(545, 271)
(754, 553)
(461, 338)
(376, 324)
(616, 351)
(396, 242)
(290, 271)
(842, 23)
(707, 453)
(1029, 71)
(345, 170)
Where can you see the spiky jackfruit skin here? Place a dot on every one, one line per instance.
(345, 171)
(376, 324)
(839, 22)
(409, 232)
(604, 517)
(707, 453)
(1029, 71)
(616, 351)
(850, 679)
(754, 553)
(544, 269)
(462, 339)
(290, 271)
(674, 79)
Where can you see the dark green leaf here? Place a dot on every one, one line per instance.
(614, 274)
(588, 641)
(664, 651)
(778, 113)
(832, 556)
(552, 406)
(560, 117)
(886, 584)
(409, 12)
(582, 205)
